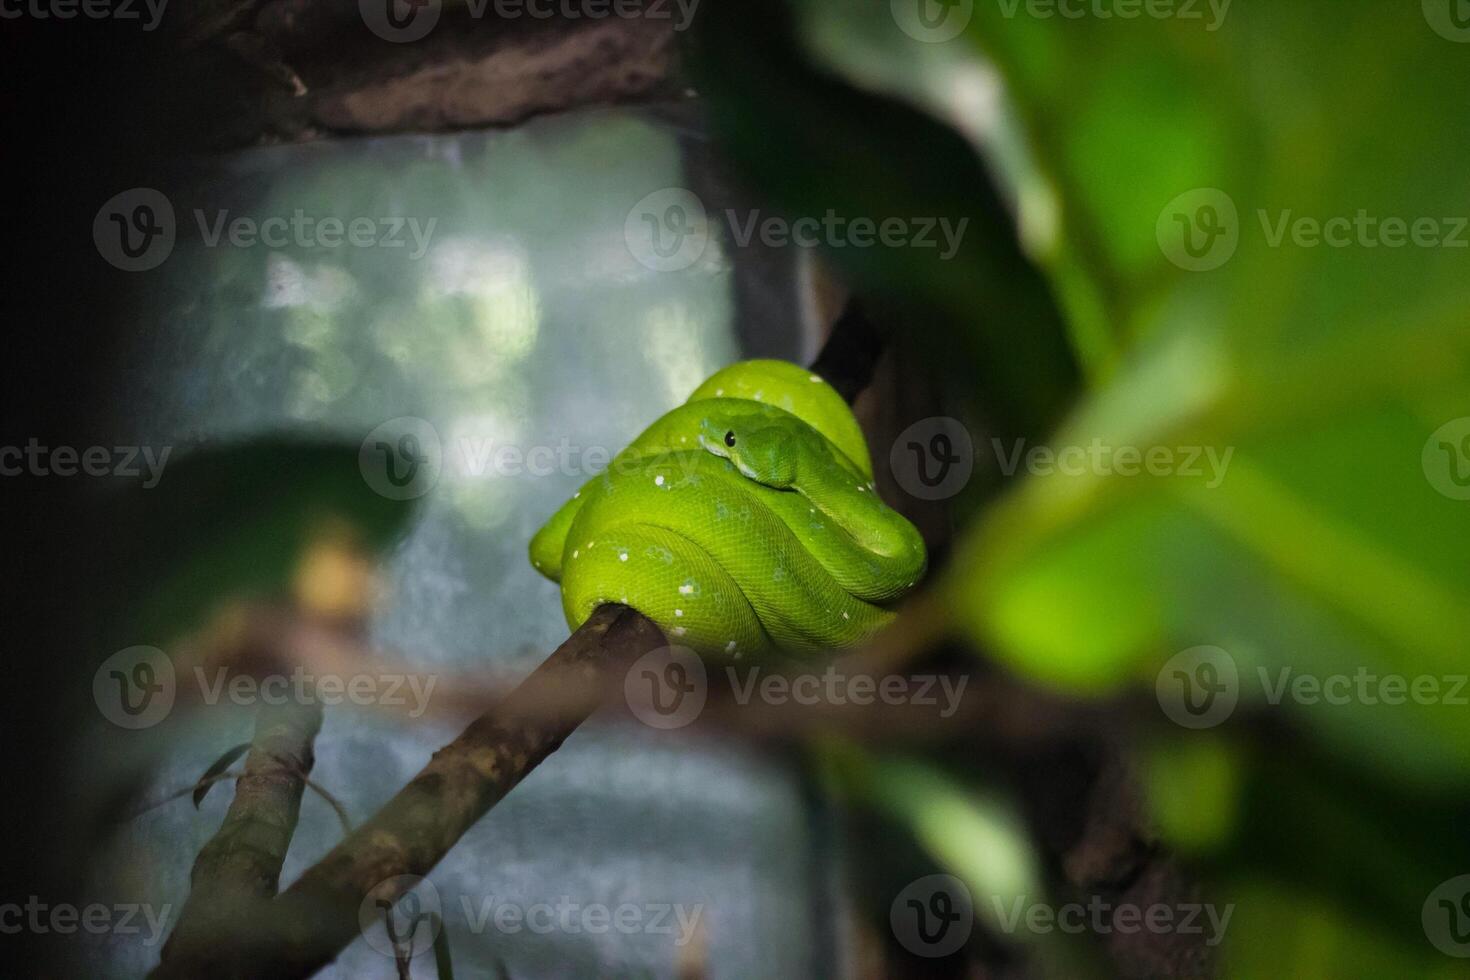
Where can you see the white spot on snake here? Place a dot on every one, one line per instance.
(678, 612)
(679, 631)
(686, 589)
(813, 377)
(757, 395)
(622, 556)
(730, 647)
(719, 392)
(658, 481)
(575, 553)
(844, 616)
(576, 495)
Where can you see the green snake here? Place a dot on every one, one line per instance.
(742, 522)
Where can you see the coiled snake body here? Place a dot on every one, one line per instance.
(743, 521)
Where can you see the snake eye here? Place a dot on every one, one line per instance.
(730, 439)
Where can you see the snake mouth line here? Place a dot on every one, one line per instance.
(714, 449)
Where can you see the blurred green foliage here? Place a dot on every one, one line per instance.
(1323, 370)
(232, 523)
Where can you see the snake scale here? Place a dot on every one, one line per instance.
(742, 522)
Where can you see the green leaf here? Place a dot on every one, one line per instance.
(978, 836)
(231, 522)
(817, 145)
(1322, 371)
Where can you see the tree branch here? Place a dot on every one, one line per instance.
(303, 930)
(241, 864)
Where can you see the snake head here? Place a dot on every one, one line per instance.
(762, 449)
